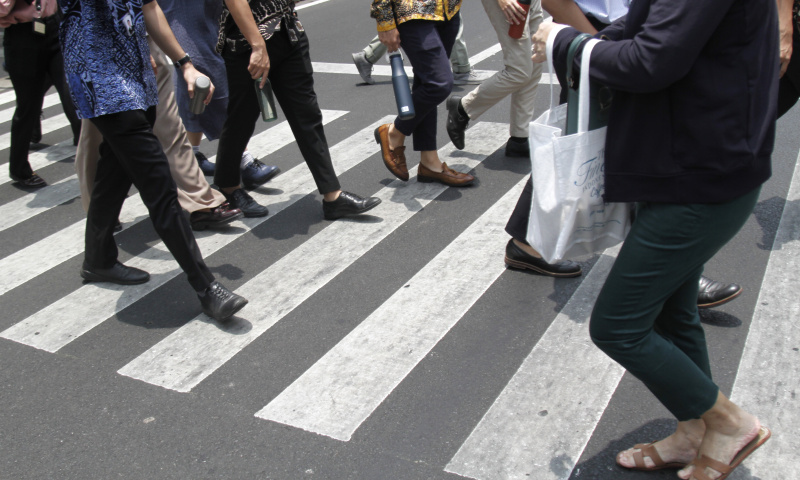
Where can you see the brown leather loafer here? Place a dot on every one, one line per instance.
(447, 176)
(395, 160)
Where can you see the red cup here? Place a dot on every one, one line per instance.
(515, 31)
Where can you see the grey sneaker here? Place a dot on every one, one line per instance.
(466, 78)
(364, 67)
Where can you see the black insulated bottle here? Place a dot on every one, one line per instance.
(402, 91)
(201, 87)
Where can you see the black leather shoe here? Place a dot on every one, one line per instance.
(348, 204)
(119, 274)
(518, 258)
(456, 122)
(206, 165)
(215, 218)
(256, 174)
(518, 149)
(714, 294)
(34, 181)
(220, 303)
(242, 200)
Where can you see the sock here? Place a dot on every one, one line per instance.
(461, 110)
(195, 149)
(247, 159)
(518, 139)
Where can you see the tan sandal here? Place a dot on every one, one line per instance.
(702, 462)
(649, 450)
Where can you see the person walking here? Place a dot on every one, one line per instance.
(698, 187)
(115, 88)
(426, 30)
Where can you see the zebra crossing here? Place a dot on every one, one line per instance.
(539, 423)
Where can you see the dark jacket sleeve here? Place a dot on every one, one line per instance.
(670, 39)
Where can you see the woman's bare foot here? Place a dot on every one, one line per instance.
(679, 448)
(728, 430)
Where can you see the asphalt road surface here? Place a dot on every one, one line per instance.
(395, 345)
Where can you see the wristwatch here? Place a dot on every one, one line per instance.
(183, 61)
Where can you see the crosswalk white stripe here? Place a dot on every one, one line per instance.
(91, 304)
(43, 158)
(769, 372)
(543, 419)
(65, 244)
(8, 97)
(386, 71)
(341, 390)
(34, 203)
(196, 350)
(49, 101)
(48, 125)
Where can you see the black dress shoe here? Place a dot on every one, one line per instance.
(119, 274)
(242, 200)
(348, 204)
(714, 294)
(220, 303)
(215, 218)
(34, 181)
(518, 149)
(256, 174)
(456, 122)
(207, 166)
(518, 258)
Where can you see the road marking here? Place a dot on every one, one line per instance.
(341, 390)
(92, 304)
(65, 244)
(39, 201)
(49, 101)
(386, 71)
(542, 420)
(44, 157)
(769, 372)
(48, 125)
(193, 352)
(309, 4)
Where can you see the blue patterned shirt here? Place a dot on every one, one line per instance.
(106, 57)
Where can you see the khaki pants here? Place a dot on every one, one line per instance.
(519, 76)
(194, 192)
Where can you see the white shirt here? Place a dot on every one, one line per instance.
(604, 10)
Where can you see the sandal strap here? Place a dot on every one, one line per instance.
(646, 450)
(700, 464)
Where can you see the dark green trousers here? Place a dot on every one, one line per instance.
(646, 315)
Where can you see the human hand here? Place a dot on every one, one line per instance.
(539, 42)
(153, 64)
(190, 74)
(390, 38)
(786, 50)
(259, 64)
(513, 12)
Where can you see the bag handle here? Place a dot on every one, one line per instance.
(583, 88)
(551, 38)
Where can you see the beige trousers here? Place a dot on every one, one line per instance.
(519, 76)
(194, 192)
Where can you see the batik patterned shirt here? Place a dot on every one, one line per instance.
(106, 57)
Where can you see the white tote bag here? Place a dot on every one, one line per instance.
(568, 216)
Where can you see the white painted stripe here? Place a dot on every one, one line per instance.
(340, 391)
(34, 203)
(386, 71)
(44, 157)
(65, 244)
(8, 97)
(49, 252)
(769, 373)
(481, 56)
(196, 350)
(48, 125)
(309, 4)
(543, 419)
(49, 101)
(92, 304)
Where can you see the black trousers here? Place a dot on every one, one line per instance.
(292, 80)
(33, 61)
(131, 154)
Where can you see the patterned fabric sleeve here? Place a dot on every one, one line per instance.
(383, 12)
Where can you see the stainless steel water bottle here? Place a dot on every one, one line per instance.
(402, 91)
(201, 87)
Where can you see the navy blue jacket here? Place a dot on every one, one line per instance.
(695, 98)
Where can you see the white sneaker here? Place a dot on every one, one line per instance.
(364, 67)
(466, 78)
